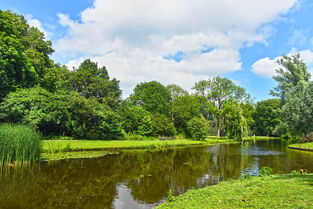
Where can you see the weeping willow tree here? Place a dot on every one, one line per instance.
(235, 124)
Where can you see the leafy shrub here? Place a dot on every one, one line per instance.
(136, 120)
(265, 171)
(198, 128)
(19, 143)
(61, 113)
(162, 126)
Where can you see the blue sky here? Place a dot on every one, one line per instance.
(180, 41)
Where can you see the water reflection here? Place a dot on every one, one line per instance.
(140, 179)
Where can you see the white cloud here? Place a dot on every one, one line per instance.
(266, 67)
(131, 38)
(37, 24)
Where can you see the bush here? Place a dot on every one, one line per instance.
(163, 126)
(198, 128)
(19, 144)
(265, 171)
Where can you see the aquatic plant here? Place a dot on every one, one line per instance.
(19, 144)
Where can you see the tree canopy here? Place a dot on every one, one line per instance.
(24, 53)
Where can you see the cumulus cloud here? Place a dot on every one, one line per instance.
(266, 67)
(134, 39)
(37, 24)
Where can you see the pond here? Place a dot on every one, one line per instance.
(140, 179)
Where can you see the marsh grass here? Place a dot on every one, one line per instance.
(19, 144)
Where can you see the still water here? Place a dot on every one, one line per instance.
(140, 179)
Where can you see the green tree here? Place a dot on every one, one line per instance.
(297, 112)
(176, 91)
(162, 125)
(24, 53)
(62, 113)
(267, 117)
(184, 108)
(215, 92)
(198, 128)
(235, 123)
(92, 81)
(136, 120)
(56, 78)
(152, 96)
(292, 70)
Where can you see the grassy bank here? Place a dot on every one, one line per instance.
(74, 155)
(54, 146)
(302, 146)
(255, 138)
(277, 191)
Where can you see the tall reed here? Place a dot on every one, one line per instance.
(19, 144)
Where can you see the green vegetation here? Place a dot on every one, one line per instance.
(277, 191)
(267, 117)
(55, 146)
(85, 103)
(303, 146)
(198, 128)
(24, 53)
(74, 155)
(295, 92)
(254, 138)
(19, 144)
(215, 94)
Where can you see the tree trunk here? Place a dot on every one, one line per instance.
(218, 127)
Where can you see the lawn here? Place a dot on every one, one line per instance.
(53, 146)
(302, 146)
(277, 191)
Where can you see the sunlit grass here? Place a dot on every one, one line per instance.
(54, 146)
(306, 146)
(277, 191)
(19, 144)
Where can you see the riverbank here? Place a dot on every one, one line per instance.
(61, 149)
(302, 146)
(256, 138)
(276, 191)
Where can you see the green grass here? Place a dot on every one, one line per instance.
(277, 191)
(253, 138)
(74, 155)
(19, 144)
(305, 146)
(55, 146)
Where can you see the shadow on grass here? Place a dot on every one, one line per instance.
(306, 179)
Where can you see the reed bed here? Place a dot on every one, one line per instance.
(19, 144)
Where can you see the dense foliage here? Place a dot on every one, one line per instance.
(295, 91)
(86, 103)
(24, 53)
(267, 117)
(198, 128)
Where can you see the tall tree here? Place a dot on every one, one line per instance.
(153, 97)
(216, 91)
(292, 70)
(236, 125)
(267, 117)
(92, 81)
(297, 112)
(184, 108)
(176, 91)
(24, 53)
